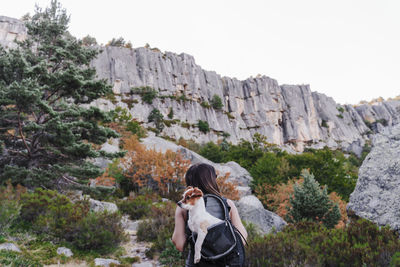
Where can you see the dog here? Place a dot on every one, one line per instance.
(199, 218)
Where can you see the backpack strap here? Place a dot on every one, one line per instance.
(221, 200)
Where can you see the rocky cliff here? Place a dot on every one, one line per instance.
(290, 116)
(377, 193)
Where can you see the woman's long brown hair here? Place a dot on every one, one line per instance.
(203, 176)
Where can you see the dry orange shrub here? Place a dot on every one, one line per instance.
(104, 180)
(147, 167)
(277, 199)
(227, 189)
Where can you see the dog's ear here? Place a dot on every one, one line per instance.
(196, 192)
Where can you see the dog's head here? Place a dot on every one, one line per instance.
(190, 197)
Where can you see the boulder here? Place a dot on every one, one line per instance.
(105, 262)
(251, 210)
(9, 247)
(143, 264)
(100, 206)
(376, 196)
(64, 251)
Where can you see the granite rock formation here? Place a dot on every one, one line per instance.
(291, 116)
(377, 193)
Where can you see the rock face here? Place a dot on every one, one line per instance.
(290, 116)
(377, 193)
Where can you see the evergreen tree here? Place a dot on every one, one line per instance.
(310, 202)
(46, 135)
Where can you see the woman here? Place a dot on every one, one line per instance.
(204, 177)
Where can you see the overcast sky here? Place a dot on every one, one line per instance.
(346, 49)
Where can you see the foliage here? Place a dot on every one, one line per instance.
(171, 113)
(100, 232)
(170, 256)
(156, 117)
(118, 42)
(212, 152)
(159, 226)
(45, 131)
(121, 115)
(205, 104)
(395, 262)
(47, 212)
(311, 203)
(203, 126)
(148, 168)
(9, 206)
(277, 199)
(146, 93)
(324, 124)
(89, 41)
(216, 102)
(227, 189)
(310, 244)
(190, 144)
(271, 168)
(135, 128)
(15, 259)
(135, 207)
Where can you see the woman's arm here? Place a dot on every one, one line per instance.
(179, 237)
(236, 219)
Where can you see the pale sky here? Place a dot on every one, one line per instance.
(346, 49)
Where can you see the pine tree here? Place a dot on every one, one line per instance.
(46, 134)
(310, 202)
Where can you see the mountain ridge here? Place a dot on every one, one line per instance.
(290, 116)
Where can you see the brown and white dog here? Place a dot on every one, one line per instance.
(199, 218)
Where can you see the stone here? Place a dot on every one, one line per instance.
(100, 206)
(9, 247)
(64, 251)
(104, 262)
(129, 225)
(376, 196)
(251, 210)
(143, 264)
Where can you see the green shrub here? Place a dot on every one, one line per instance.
(171, 113)
(101, 232)
(310, 202)
(156, 117)
(205, 104)
(340, 109)
(15, 259)
(324, 124)
(9, 206)
(136, 207)
(203, 126)
(395, 262)
(135, 128)
(159, 226)
(118, 42)
(311, 244)
(216, 102)
(170, 256)
(146, 93)
(212, 152)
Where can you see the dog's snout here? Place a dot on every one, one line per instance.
(179, 203)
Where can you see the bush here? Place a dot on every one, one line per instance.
(171, 113)
(146, 93)
(50, 213)
(135, 207)
(310, 244)
(15, 259)
(205, 104)
(310, 202)
(159, 226)
(9, 206)
(171, 256)
(203, 126)
(156, 117)
(216, 102)
(135, 128)
(119, 42)
(101, 232)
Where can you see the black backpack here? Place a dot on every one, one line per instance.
(223, 244)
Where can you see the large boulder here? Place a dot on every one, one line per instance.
(377, 193)
(251, 210)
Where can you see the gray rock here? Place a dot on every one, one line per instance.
(64, 251)
(377, 193)
(143, 264)
(100, 206)
(129, 225)
(251, 210)
(104, 262)
(9, 247)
